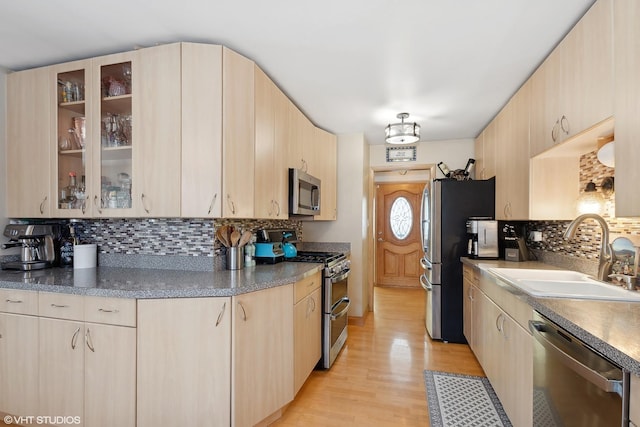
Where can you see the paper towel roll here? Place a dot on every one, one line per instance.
(85, 256)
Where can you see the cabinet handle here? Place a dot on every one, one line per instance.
(232, 206)
(104, 310)
(564, 128)
(219, 319)
(144, 206)
(213, 202)
(304, 165)
(554, 131)
(313, 308)
(14, 301)
(470, 294)
(42, 205)
(59, 306)
(88, 341)
(271, 208)
(277, 207)
(84, 206)
(95, 203)
(74, 339)
(498, 326)
(244, 313)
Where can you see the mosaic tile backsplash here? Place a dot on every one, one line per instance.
(166, 236)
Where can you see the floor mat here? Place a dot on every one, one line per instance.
(462, 400)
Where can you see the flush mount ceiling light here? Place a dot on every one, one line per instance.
(402, 133)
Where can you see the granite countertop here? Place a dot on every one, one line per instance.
(611, 327)
(142, 283)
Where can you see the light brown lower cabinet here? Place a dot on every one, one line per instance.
(502, 345)
(262, 354)
(18, 364)
(307, 325)
(86, 370)
(184, 356)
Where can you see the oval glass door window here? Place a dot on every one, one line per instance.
(401, 218)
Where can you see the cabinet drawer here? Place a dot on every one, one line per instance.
(111, 311)
(305, 286)
(61, 306)
(470, 273)
(18, 301)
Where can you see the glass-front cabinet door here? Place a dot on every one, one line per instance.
(114, 135)
(71, 165)
(94, 137)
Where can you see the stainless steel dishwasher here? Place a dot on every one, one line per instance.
(573, 384)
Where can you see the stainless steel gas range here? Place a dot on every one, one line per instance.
(335, 301)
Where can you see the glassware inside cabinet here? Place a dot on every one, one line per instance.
(116, 153)
(71, 134)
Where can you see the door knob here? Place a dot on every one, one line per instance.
(380, 239)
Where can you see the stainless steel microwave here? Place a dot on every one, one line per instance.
(304, 193)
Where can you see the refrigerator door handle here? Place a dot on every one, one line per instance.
(424, 282)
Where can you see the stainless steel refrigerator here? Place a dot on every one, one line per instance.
(446, 206)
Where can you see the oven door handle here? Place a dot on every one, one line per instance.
(344, 310)
(341, 277)
(424, 282)
(594, 377)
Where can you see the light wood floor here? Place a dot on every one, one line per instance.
(377, 380)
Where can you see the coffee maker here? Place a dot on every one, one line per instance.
(36, 243)
(483, 238)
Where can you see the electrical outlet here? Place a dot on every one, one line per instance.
(536, 236)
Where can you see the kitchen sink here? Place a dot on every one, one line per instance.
(563, 284)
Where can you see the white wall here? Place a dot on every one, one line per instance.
(351, 223)
(454, 153)
(3, 133)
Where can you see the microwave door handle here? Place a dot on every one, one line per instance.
(315, 196)
(424, 282)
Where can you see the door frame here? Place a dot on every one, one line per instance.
(405, 173)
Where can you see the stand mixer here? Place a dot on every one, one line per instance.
(36, 243)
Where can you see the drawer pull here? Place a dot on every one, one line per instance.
(14, 301)
(104, 310)
(59, 306)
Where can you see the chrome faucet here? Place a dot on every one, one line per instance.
(606, 251)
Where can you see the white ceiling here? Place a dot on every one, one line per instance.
(350, 65)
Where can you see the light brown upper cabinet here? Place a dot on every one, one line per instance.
(326, 159)
(512, 157)
(28, 144)
(573, 89)
(627, 106)
(201, 131)
(271, 172)
(238, 135)
(487, 167)
(117, 135)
